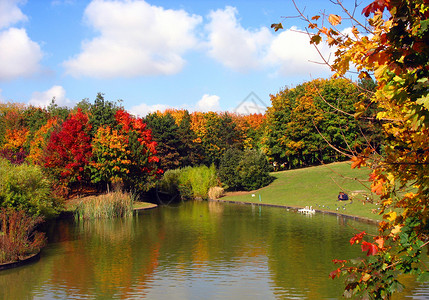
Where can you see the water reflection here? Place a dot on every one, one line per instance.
(193, 251)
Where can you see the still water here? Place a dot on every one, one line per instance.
(196, 250)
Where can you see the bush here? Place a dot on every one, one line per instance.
(254, 170)
(111, 205)
(189, 182)
(244, 170)
(228, 168)
(17, 236)
(25, 187)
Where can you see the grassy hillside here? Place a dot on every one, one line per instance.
(318, 187)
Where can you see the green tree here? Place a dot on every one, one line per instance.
(306, 123)
(167, 136)
(190, 152)
(228, 168)
(102, 113)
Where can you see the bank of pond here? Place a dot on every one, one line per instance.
(193, 250)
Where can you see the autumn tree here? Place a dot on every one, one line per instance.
(391, 47)
(69, 150)
(124, 152)
(305, 124)
(215, 133)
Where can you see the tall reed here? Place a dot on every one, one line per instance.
(110, 205)
(190, 182)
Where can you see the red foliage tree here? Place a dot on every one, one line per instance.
(69, 150)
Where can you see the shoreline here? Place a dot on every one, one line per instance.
(28, 260)
(328, 212)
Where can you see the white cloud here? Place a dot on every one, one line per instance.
(19, 55)
(289, 53)
(143, 109)
(293, 54)
(10, 13)
(208, 103)
(234, 46)
(1, 97)
(135, 39)
(43, 99)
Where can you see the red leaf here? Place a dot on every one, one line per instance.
(335, 273)
(357, 238)
(375, 6)
(370, 248)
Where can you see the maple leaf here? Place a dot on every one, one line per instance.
(377, 187)
(357, 238)
(370, 248)
(380, 241)
(357, 162)
(334, 19)
(335, 273)
(377, 5)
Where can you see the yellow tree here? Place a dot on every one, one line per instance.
(391, 47)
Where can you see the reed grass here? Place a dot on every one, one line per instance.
(111, 205)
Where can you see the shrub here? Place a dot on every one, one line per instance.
(254, 170)
(110, 205)
(25, 187)
(18, 238)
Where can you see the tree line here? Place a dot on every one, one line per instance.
(99, 144)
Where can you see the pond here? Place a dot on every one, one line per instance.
(196, 250)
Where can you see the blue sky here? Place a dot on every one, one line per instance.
(199, 55)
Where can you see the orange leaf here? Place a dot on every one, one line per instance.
(357, 162)
(334, 19)
(380, 241)
(377, 187)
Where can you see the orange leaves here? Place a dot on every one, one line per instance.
(357, 162)
(334, 19)
(16, 138)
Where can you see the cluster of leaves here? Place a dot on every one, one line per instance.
(392, 48)
(244, 170)
(18, 237)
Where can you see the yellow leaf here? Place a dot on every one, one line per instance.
(334, 19)
(366, 277)
(391, 216)
(396, 229)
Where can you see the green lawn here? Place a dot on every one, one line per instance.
(318, 187)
